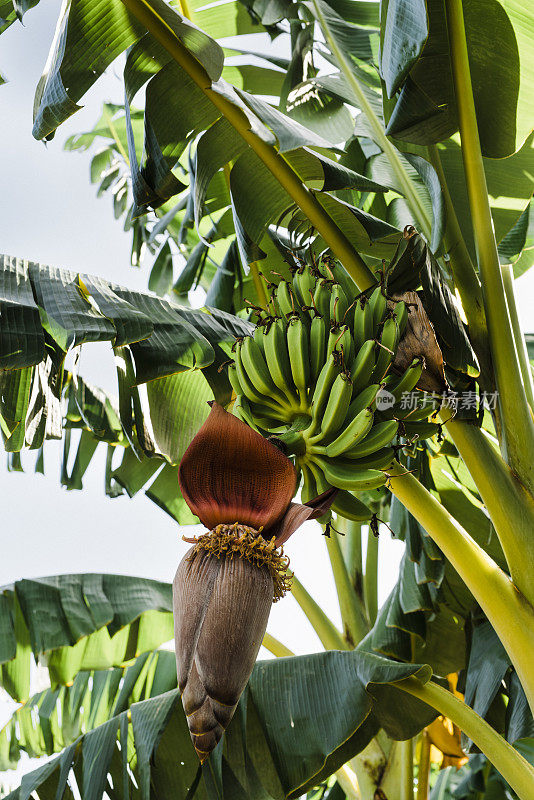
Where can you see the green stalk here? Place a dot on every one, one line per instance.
(349, 604)
(273, 160)
(517, 423)
(370, 581)
(510, 506)
(397, 781)
(405, 183)
(113, 131)
(349, 783)
(352, 551)
(512, 766)
(423, 772)
(259, 284)
(519, 339)
(509, 612)
(464, 272)
(275, 647)
(330, 637)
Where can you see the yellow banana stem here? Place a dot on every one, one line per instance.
(517, 423)
(512, 766)
(276, 647)
(423, 772)
(510, 506)
(259, 284)
(519, 339)
(330, 637)
(273, 160)
(507, 609)
(349, 603)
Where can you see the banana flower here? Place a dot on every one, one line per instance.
(240, 486)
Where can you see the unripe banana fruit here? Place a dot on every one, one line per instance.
(310, 377)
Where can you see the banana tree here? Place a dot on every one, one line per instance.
(362, 317)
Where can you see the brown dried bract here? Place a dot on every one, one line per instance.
(419, 341)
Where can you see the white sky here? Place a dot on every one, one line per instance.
(50, 214)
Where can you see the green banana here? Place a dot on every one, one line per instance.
(248, 388)
(352, 434)
(408, 381)
(338, 304)
(268, 418)
(378, 437)
(343, 475)
(363, 322)
(234, 380)
(321, 298)
(321, 484)
(417, 414)
(380, 460)
(336, 407)
(241, 410)
(363, 366)
(304, 285)
(363, 400)
(340, 340)
(257, 371)
(321, 392)
(259, 337)
(277, 358)
(348, 506)
(387, 348)
(309, 488)
(423, 430)
(286, 301)
(401, 313)
(317, 346)
(299, 354)
(378, 306)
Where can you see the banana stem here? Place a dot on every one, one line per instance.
(423, 772)
(512, 766)
(509, 612)
(258, 284)
(370, 581)
(330, 637)
(519, 339)
(348, 782)
(517, 423)
(405, 182)
(352, 551)
(276, 647)
(113, 131)
(273, 160)
(464, 272)
(349, 604)
(511, 507)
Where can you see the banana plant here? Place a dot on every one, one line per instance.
(370, 223)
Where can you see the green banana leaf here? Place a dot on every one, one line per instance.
(416, 60)
(293, 741)
(78, 622)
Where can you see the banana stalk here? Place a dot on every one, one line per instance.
(273, 160)
(517, 422)
(507, 609)
(351, 608)
(330, 637)
(511, 508)
(512, 766)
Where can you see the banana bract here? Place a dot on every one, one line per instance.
(337, 380)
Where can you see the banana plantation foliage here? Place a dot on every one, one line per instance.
(347, 185)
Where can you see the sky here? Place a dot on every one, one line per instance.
(50, 213)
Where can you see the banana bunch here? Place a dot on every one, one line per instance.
(316, 375)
